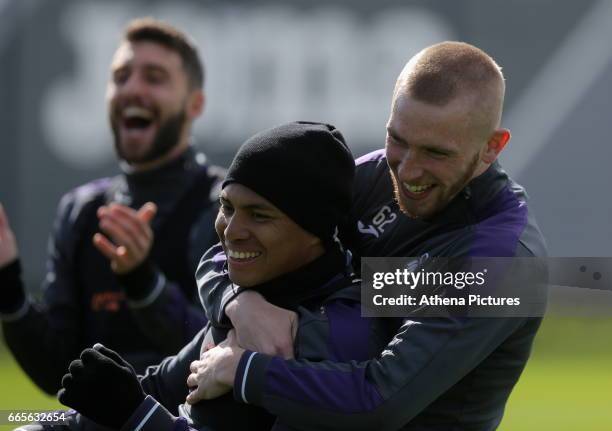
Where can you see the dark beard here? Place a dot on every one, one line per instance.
(166, 138)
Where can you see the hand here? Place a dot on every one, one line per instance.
(213, 375)
(130, 232)
(102, 387)
(8, 244)
(261, 326)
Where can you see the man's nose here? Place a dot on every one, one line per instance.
(133, 86)
(236, 229)
(410, 166)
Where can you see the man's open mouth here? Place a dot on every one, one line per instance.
(243, 256)
(136, 117)
(417, 191)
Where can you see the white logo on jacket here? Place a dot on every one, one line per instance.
(382, 218)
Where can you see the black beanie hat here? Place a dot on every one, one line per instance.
(305, 169)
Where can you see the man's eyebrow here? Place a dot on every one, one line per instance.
(120, 66)
(258, 207)
(147, 66)
(429, 147)
(395, 136)
(155, 67)
(255, 206)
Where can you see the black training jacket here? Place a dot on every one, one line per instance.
(145, 315)
(442, 373)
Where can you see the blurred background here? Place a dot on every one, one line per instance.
(335, 61)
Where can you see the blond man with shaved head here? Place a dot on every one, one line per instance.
(435, 190)
(444, 129)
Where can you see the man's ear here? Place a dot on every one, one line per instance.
(196, 103)
(495, 145)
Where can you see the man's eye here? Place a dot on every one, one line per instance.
(397, 142)
(391, 140)
(260, 217)
(120, 77)
(437, 154)
(226, 209)
(155, 77)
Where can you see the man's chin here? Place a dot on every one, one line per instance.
(416, 215)
(131, 157)
(132, 149)
(419, 212)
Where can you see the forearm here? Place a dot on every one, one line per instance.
(215, 288)
(167, 381)
(33, 339)
(13, 300)
(31, 334)
(424, 361)
(161, 309)
(151, 416)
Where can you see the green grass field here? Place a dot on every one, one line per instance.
(567, 384)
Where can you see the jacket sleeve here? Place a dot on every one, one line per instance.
(162, 311)
(214, 286)
(167, 382)
(44, 337)
(424, 360)
(152, 416)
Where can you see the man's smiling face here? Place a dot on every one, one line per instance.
(147, 100)
(431, 154)
(260, 241)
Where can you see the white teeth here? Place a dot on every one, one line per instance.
(243, 254)
(138, 112)
(417, 189)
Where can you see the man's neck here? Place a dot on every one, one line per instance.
(481, 170)
(171, 155)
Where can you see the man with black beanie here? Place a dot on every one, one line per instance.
(302, 169)
(284, 195)
(435, 190)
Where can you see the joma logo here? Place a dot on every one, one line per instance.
(383, 217)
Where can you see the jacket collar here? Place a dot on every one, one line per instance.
(313, 281)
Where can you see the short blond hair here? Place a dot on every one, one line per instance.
(446, 71)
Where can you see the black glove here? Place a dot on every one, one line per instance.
(102, 386)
